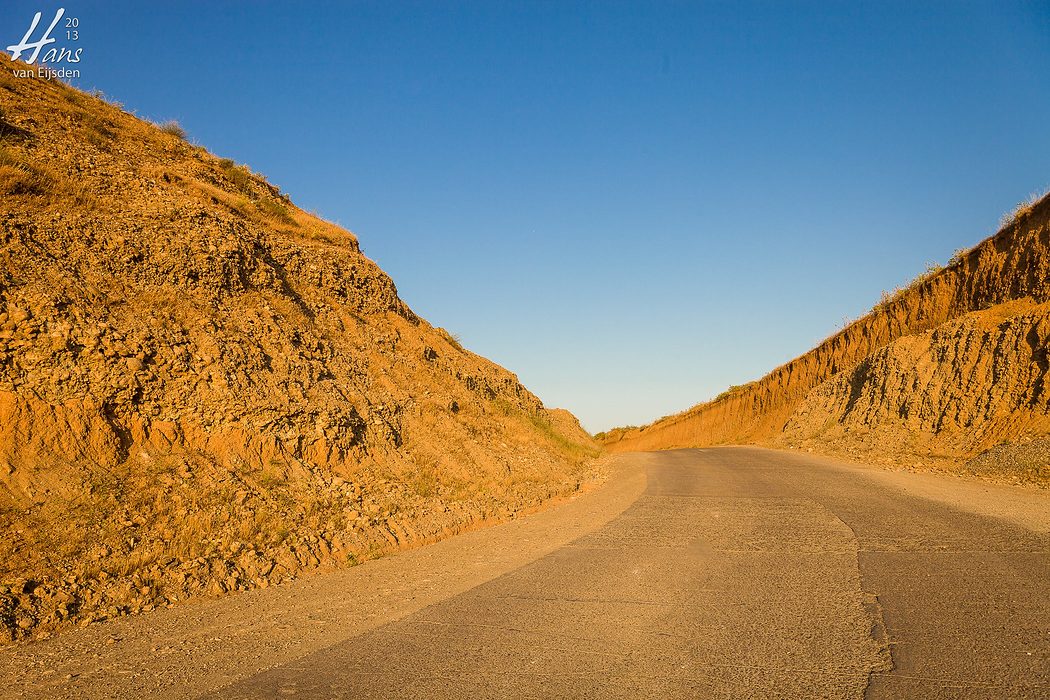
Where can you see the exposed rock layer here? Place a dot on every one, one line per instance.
(204, 389)
(946, 369)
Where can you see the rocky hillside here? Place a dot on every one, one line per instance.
(204, 389)
(950, 372)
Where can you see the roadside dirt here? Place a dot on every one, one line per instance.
(1026, 506)
(204, 645)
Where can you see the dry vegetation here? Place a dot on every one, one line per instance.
(172, 128)
(1023, 210)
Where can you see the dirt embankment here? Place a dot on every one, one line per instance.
(938, 374)
(205, 389)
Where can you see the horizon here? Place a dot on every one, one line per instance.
(523, 153)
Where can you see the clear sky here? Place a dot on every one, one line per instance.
(630, 205)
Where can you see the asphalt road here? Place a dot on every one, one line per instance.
(737, 573)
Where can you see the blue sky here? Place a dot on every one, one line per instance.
(630, 205)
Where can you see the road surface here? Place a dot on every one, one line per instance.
(738, 572)
(714, 573)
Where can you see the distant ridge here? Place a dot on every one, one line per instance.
(936, 375)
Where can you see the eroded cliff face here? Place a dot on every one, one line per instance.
(204, 389)
(953, 392)
(950, 367)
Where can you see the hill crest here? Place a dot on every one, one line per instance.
(939, 373)
(205, 389)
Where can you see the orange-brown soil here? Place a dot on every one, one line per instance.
(949, 373)
(205, 389)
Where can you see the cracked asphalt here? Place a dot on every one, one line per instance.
(712, 573)
(738, 572)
